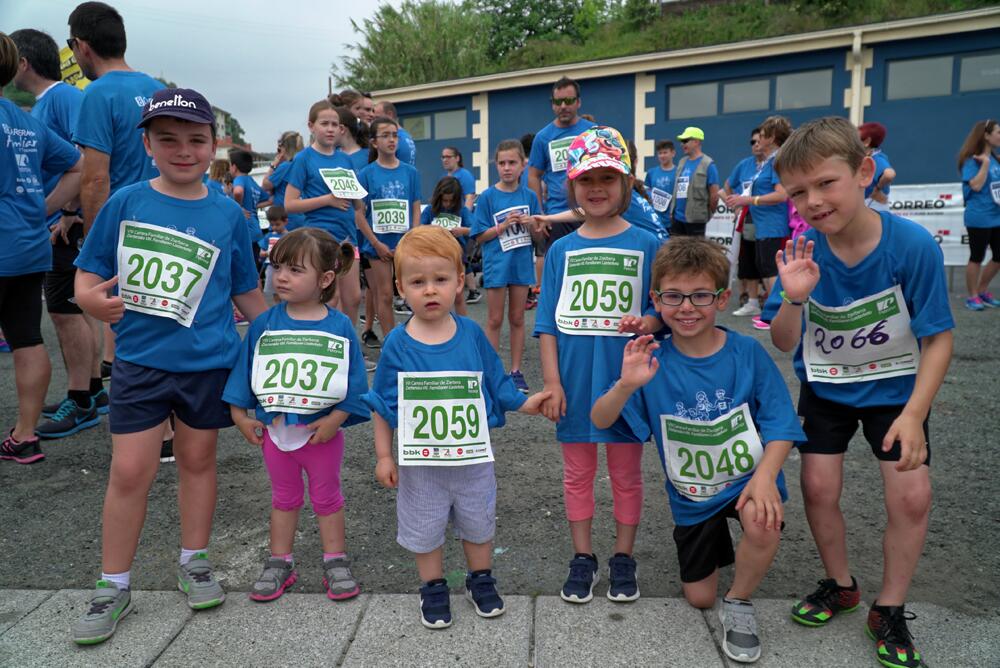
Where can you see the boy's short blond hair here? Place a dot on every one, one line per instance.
(428, 241)
(691, 256)
(817, 140)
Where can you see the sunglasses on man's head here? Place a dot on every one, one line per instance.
(564, 100)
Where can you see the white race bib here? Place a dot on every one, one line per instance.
(682, 187)
(559, 153)
(300, 371)
(995, 191)
(448, 221)
(163, 272)
(704, 458)
(390, 216)
(599, 286)
(747, 187)
(868, 339)
(661, 199)
(442, 419)
(343, 183)
(516, 235)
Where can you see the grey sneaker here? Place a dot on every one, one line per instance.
(106, 607)
(277, 576)
(739, 631)
(338, 580)
(195, 579)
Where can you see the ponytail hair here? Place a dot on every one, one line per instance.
(320, 249)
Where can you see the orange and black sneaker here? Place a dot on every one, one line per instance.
(893, 642)
(819, 607)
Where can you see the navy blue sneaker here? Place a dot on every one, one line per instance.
(481, 590)
(583, 575)
(519, 382)
(435, 604)
(102, 402)
(621, 575)
(68, 420)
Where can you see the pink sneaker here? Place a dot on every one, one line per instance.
(760, 324)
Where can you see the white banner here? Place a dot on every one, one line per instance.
(937, 207)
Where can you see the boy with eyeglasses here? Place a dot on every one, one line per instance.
(722, 457)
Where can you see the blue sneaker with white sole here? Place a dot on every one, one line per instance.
(583, 575)
(68, 420)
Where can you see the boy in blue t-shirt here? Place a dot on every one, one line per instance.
(184, 253)
(660, 181)
(723, 422)
(278, 218)
(862, 300)
(440, 382)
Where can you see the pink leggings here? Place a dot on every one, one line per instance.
(321, 462)
(625, 469)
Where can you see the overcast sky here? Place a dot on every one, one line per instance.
(264, 61)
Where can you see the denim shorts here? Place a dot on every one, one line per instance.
(429, 496)
(142, 398)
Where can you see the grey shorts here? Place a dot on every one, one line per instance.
(429, 496)
(269, 280)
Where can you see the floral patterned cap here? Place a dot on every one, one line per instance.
(599, 146)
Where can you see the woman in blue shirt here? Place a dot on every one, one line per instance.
(451, 160)
(274, 183)
(980, 169)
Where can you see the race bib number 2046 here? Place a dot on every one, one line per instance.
(163, 272)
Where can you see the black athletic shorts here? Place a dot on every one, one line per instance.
(142, 397)
(765, 250)
(979, 239)
(59, 295)
(706, 546)
(21, 309)
(829, 426)
(681, 229)
(558, 231)
(746, 264)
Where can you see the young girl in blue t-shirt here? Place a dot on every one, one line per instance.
(502, 226)
(446, 210)
(300, 369)
(595, 293)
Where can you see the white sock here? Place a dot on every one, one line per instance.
(753, 302)
(120, 580)
(186, 554)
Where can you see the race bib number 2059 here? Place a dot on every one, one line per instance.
(442, 419)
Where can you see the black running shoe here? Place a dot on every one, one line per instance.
(105, 370)
(167, 451)
(893, 642)
(819, 607)
(22, 452)
(370, 339)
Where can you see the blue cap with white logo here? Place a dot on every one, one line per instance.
(183, 103)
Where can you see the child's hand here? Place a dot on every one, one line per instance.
(533, 404)
(324, 428)
(337, 203)
(799, 273)
(638, 364)
(763, 492)
(909, 431)
(386, 472)
(554, 407)
(251, 428)
(98, 304)
(631, 324)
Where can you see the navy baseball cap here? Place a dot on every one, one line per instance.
(183, 103)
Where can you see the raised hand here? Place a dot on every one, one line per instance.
(638, 364)
(798, 271)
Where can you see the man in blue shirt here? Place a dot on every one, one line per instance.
(57, 105)
(406, 150)
(549, 151)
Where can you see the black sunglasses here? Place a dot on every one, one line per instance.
(564, 100)
(753, 142)
(71, 43)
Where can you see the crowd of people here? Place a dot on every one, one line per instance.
(120, 212)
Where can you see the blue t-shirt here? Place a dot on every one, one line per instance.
(30, 151)
(239, 390)
(216, 186)
(642, 214)
(266, 243)
(881, 164)
(683, 180)
(253, 195)
(465, 179)
(588, 364)
(279, 179)
(464, 216)
(111, 109)
(468, 350)
(406, 150)
(742, 175)
(906, 255)
(542, 155)
(58, 108)
(982, 209)
(662, 179)
(705, 389)
(399, 183)
(305, 176)
(502, 268)
(771, 221)
(359, 160)
(211, 342)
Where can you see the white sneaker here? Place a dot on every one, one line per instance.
(747, 309)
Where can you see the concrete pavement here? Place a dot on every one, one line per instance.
(385, 630)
